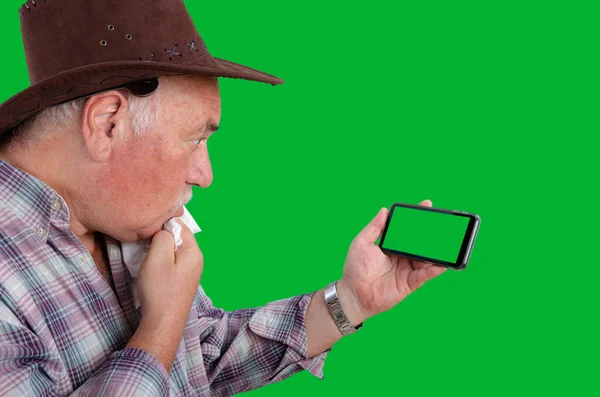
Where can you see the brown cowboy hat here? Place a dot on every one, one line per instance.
(76, 48)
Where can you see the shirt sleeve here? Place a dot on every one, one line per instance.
(249, 348)
(29, 368)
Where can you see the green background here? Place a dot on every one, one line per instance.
(485, 107)
(429, 234)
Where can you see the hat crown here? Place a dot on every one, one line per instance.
(76, 48)
(60, 35)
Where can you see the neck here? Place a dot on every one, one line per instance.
(45, 166)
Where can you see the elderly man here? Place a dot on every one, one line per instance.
(102, 149)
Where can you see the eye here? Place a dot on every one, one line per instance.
(196, 142)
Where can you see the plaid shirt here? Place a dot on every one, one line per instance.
(63, 330)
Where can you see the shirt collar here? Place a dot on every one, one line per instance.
(30, 199)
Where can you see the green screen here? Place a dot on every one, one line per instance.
(491, 107)
(435, 235)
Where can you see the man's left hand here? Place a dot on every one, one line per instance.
(373, 281)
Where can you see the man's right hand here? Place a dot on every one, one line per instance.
(167, 283)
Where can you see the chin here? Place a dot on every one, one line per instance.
(148, 234)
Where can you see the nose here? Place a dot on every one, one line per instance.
(200, 172)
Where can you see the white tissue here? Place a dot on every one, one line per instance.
(134, 253)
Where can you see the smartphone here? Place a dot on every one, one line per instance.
(443, 237)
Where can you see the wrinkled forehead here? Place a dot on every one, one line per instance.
(191, 101)
(190, 84)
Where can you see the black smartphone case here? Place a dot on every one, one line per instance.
(467, 245)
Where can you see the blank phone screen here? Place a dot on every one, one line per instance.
(435, 235)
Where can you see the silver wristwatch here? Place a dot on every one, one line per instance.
(333, 302)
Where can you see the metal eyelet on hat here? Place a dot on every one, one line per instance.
(128, 36)
(111, 27)
(103, 43)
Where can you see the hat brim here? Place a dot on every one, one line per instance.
(90, 79)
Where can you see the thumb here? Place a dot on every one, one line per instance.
(162, 247)
(426, 203)
(374, 229)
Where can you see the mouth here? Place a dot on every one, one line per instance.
(186, 198)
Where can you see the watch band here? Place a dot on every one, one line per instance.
(333, 303)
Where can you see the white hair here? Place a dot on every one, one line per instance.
(144, 112)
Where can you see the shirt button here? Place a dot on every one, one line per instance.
(55, 204)
(42, 232)
(112, 251)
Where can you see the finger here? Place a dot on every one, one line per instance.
(421, 265)
(433, 271)
(162, 246)
(426, 274)
(426, 203)
(374, 229)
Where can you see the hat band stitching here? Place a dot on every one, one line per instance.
(147, 60)
(192, 46)
(26, 6)
(172, 52)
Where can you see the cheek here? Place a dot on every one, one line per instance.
(149, 180)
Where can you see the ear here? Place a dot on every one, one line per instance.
(104, 122)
